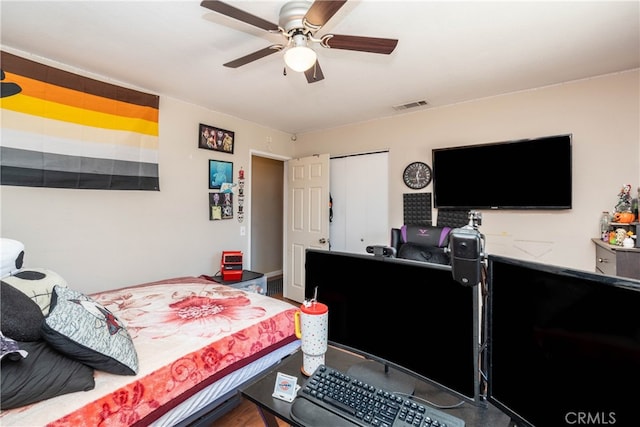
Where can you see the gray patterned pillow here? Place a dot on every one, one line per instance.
(86, 331)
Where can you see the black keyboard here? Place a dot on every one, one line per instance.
(365, 405)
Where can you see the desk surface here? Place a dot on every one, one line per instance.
(260, 392)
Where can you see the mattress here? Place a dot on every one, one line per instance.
(195, 339)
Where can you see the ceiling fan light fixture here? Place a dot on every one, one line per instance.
(300, 57)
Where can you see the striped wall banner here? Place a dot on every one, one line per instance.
(63, 130)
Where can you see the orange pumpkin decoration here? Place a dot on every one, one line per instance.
(623, 217)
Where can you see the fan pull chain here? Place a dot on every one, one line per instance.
(284, 71)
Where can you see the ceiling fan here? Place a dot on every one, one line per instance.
(298, 23)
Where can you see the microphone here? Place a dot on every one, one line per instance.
(466, 246)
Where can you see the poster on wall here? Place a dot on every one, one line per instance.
(216, 139)
(220, 172)
(220, 206)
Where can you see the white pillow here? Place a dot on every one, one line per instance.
(38, 284)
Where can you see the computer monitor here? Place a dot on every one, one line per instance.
(408, 315)
(563, 345)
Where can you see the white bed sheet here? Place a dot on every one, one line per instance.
(230, 382)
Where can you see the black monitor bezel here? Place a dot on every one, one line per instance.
(477, 398)
(506, 407)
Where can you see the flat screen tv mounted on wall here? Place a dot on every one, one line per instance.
(522, 174)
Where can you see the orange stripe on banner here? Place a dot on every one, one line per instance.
(74, 98)
(22, 103)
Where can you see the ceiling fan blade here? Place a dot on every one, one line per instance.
(363, 44)
(240, 15)
(254, 56)
(321, 11)
(314, 74)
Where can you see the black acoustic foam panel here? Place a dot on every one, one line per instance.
(417, 208)
(453, 218)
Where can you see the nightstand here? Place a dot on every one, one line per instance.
(251, 282)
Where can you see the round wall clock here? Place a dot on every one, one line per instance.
(417, 175)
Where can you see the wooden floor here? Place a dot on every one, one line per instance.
(246, 414)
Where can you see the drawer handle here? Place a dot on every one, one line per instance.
(603, 260)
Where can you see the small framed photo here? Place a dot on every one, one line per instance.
(219, 173)
(216, 139)
(220, 206)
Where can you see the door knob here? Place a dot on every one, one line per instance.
(322, 241)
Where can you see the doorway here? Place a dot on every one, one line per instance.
(267, 207)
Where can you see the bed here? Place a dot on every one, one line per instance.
(195, 343)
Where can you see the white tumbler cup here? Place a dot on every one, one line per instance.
(311, 323)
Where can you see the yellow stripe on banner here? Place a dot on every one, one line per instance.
(37, 107)
(74, 98)
(52, 129)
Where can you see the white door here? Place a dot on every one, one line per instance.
(307, 218)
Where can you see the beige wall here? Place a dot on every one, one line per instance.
(100, 239)
(108, 239)
(603, 114)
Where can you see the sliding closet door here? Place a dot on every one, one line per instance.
(359, 189)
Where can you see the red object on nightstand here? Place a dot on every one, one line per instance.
(231, 265)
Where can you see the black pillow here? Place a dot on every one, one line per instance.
(421, 253)
(43, 374)
(21, 318)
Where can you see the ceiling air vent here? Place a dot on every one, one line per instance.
(410, 105)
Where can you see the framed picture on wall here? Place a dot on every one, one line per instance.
(220, 206)
(212, 138)
(219, 173)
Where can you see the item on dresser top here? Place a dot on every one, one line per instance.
(628, 242)
(621, 234)
(623, 217)
(624, 199)
(605, 221)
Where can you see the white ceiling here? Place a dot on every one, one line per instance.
(448, 52)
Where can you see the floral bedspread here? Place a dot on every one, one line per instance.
(188, 332)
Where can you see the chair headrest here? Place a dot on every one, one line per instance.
(426, 235)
